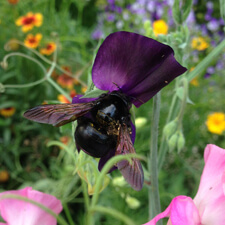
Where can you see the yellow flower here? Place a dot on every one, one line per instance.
(216, 122)
(199, 43)
(160, 27)
(32, 41)
(195, 82)
(29, 21)
(7, 112)
(49, 49)
(63, 99)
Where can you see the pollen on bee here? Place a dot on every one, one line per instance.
(166, 81)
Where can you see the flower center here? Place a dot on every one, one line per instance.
(28, 20)
(49, 47)
(32, 40)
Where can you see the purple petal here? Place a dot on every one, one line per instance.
(78, 99)
(138, 65)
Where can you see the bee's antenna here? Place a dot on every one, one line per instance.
(117, 86)
(137, 99)
(129, 96)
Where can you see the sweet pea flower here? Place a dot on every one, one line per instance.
(135, 66)
(19, 212)
(208, 206)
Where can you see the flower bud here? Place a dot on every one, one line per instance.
(180, 142)
(170, 128)
(119, 181)
(132, 203)
(173, 141)
(4, 65)
(140, 122)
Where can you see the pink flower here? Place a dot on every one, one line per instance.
(19, 212)
(208, 206)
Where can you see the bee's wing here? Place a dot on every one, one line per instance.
(58, 114)
(132, 172)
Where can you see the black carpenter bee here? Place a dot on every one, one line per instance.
(103, 125)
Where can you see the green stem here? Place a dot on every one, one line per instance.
(89, 220)
(154, 189)
(110, 163)
(58, 88)
(184, 101)
(68, 215)
(44, 59)
(113, 161)
(112, 212)
(173, 108)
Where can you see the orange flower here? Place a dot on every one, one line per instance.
(73, 93)
(29, 21)
(32, 41)
(65, 80)
(63, 99)
(7, 112)
(13, 2)
(49, 49)
(65, 140)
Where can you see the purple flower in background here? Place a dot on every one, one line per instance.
(210, 70)
(132, 69)
(213, 25)
(97, 34)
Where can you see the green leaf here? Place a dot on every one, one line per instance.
(176, 12)
(186, 8)
(222, 9)
(8, 104)
(181, 10)
(180, 94)
(94, 93)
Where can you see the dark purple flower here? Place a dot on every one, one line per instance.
(131, 69)
(135, 65)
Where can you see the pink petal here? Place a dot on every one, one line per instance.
(18, 212)
(210, 198)
(182, 211)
